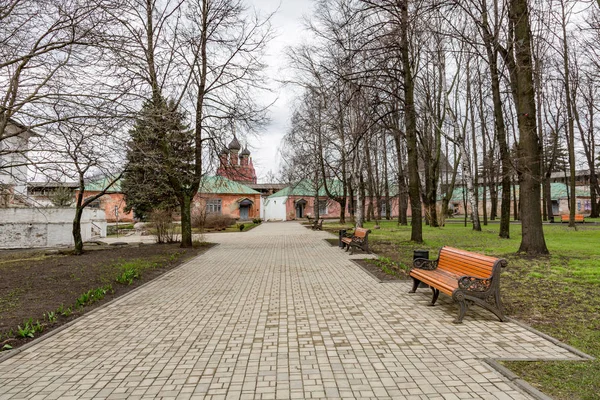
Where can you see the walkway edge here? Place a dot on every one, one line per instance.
(553, 340)
(12, 353)
(515, 380)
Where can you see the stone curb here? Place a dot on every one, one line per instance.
(553, 340)
(12, 353)
(514, 379)
(520, 383)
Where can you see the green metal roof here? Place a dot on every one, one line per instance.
(97, 184)
(208, 184)
(305, 188)
(557, 191)
(222, 185)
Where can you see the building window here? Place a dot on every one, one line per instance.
(213, 206)
(95, 204)
(382, 206)
(322, 207)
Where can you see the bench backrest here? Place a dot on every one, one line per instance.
(567, 217)
(361, 232)
(463, 262)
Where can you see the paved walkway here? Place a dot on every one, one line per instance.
(273, 313)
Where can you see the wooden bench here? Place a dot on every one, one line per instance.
(359, 238)
(318, 225)
(578, 218)
(469, 278)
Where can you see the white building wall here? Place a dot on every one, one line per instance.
(11, 172)
(46, 227)
(275, 209)
(263, 201)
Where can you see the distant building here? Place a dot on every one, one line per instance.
(43, 194)
(221, 196)
(236, 166)
(112, 203)
(13, 164)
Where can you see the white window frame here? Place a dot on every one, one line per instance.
(323, 210)
(214, 206)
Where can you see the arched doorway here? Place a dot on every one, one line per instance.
(245, 205)
(300, 206)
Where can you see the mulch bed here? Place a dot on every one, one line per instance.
(34, 283)
(379, 274)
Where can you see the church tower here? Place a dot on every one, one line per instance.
(236, 167)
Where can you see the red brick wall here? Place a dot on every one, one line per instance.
(230, 203)
(108, 203)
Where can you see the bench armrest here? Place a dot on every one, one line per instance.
(358, 240)
(472, 284)
(425, 264)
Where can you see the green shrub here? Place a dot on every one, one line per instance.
(241, 227)
(214, 221)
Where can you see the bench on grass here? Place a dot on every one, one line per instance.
(359, 238)
(318, 225)
(578, 218)
(469, 278)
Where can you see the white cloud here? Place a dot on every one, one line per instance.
(289, 28)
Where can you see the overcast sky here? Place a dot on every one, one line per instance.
(287, 23)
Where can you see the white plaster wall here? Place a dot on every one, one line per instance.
(11, 175)
(46, 227)
(275, 209)
(263, 202)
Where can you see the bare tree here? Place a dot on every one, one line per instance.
(205, 54)
(83, 150)
(41, 43)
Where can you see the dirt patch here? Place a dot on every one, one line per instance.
(333, 242)
(45, 288)
(372, 267)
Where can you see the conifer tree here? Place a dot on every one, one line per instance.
(159, 144)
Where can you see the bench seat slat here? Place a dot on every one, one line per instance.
(444, 280)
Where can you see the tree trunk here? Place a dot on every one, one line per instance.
(570, 122)
(474, 190)
(402, 190)
(547, 189)
(386, 182)
(77, 230)
(411, 130)
(532, 241)
(186, 220)
(491, 46)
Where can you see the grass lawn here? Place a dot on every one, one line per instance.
(558, 294)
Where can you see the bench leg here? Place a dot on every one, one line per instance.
(463, 307)
(493, 304)
(436, 294)
(415, 285)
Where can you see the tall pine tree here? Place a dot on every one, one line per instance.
(159, 146)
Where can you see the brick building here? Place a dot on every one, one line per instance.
(237, 166)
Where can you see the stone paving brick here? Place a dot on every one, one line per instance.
(275, 313)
